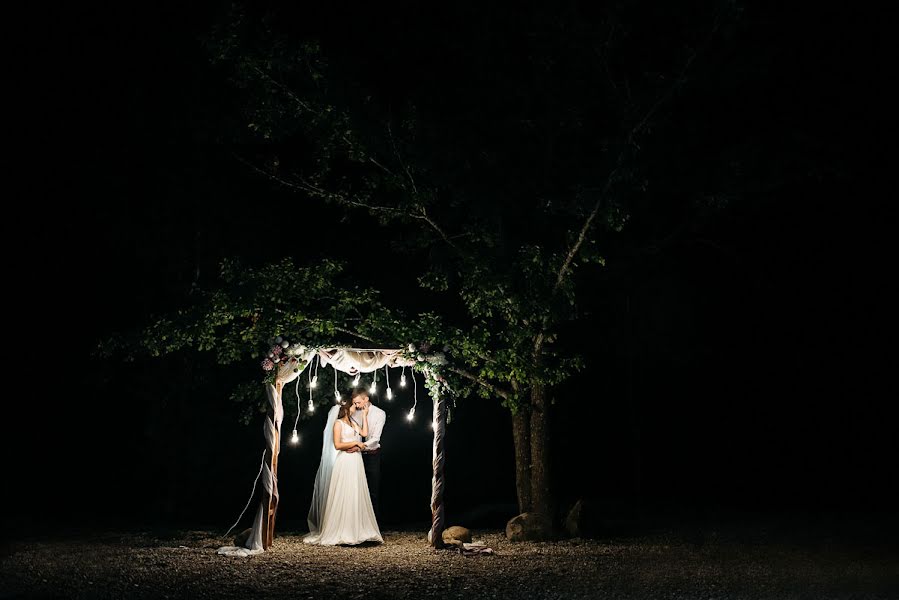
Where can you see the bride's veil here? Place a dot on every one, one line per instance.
(323, 477)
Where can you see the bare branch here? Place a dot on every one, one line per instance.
(296, 186)
(678, 82)
(374, 207)
(582, 234)
(290, 93)
(310, 188)
(372, 159)
(305, 106)
(399, 158)
(301, 185)
(635, 130)
(427, 218)
(540, 338)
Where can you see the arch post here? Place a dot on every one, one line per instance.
(438, 524)
(272, 426)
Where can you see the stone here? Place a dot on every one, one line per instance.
(457, 533)
(528, 527)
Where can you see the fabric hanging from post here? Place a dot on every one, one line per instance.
(271, 428)
(323, 475)
(272, 431)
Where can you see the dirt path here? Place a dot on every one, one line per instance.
(660, 566)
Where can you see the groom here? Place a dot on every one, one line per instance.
(371, 456)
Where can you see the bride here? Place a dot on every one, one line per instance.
(343, 514)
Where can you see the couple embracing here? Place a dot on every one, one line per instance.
(345, 497)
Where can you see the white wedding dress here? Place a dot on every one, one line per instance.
(348, 516)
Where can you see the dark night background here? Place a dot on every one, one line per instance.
(745, 365)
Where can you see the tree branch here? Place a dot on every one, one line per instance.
(304, 186)
(308, 108)
(457, 370)
(399, 158)
(301, 186)
(629, 142)
(540, 338)
(427, 219)
(482, 382)
(309, 188)
(358, 335)
(302, 103)
(582, 234)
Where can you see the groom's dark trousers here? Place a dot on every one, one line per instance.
(372, 462)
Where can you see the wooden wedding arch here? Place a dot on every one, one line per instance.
(293, 363)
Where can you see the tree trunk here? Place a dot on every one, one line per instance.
(521, 437)
(541, 496)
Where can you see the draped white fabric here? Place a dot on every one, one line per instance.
(323, 476)
(272, 430)
(286, 372)
(354, 361)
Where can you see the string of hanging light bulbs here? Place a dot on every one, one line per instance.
(295, 437)
(312, 378)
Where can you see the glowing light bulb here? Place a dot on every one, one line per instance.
(374, 388)
(433, 424)
(389, 394)
(411, 414)
(356, 380)
(403, 381)
(314, 382)
(295, 438)
(337, 396)
(311, 407)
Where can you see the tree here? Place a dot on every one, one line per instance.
(500, 201)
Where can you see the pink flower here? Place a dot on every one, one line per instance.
(276, 350)
(268, 365)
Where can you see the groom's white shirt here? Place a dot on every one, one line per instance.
(376, 420)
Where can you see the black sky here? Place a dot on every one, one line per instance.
(748, 364)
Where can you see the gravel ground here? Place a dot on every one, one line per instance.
(185, 565)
